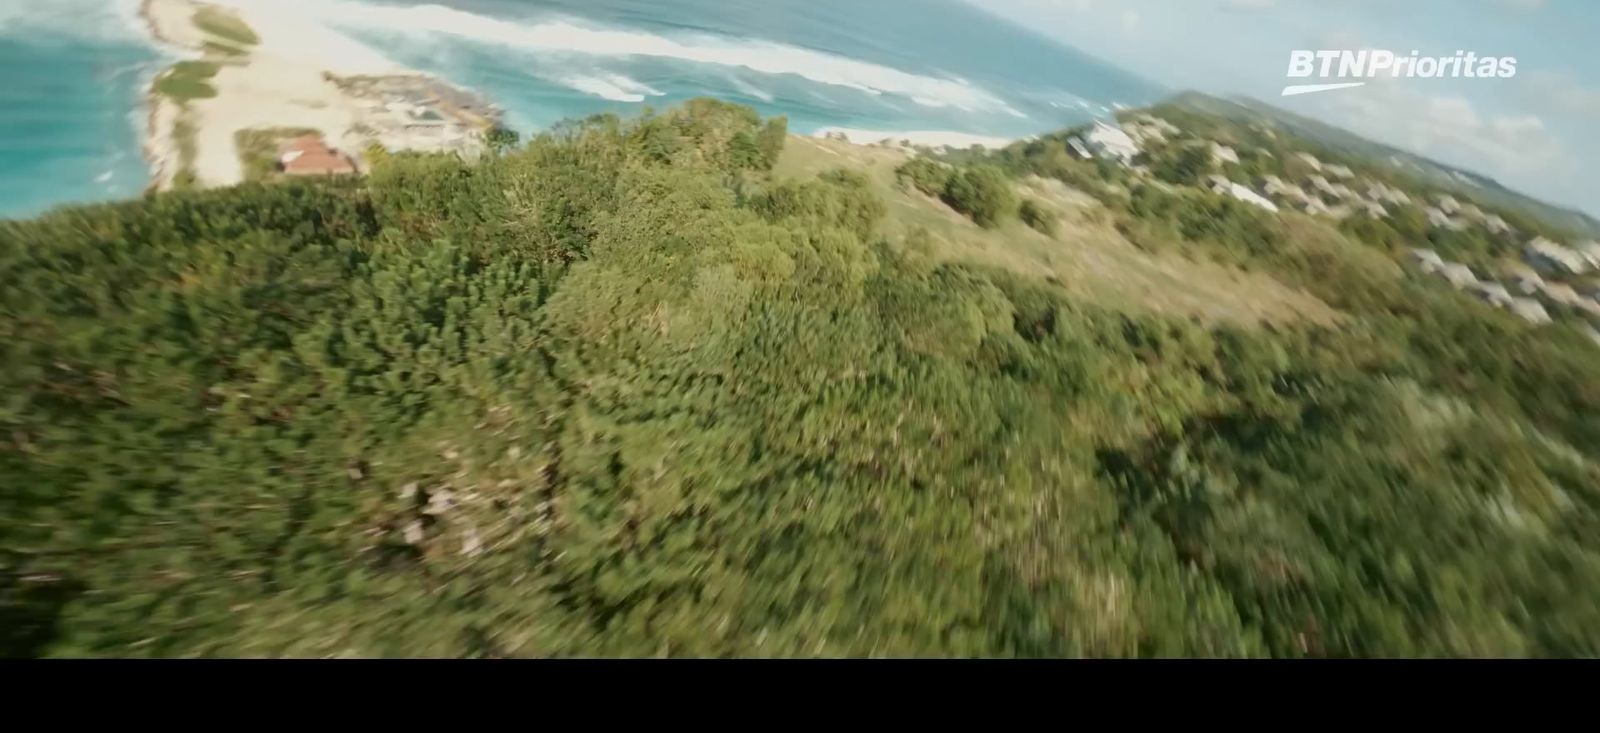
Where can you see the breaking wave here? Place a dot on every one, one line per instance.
(565, 38)
(614, 87)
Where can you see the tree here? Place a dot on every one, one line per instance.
(984, 194)
(1185, 166)
(926, 175)
(611, 394)
(1039, 217)
(501, 139)
(771, 139)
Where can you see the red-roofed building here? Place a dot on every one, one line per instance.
(307, 155)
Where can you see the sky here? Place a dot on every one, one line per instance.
(1535, 132)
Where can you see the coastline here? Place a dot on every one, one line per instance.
(158, 147)
(241, 68)
(915, 138)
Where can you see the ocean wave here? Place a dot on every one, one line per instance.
(750, 90)
(614, 87)
(565, 37)
(99, 21)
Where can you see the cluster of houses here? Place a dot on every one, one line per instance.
(413, 112)
(1448, 213)
(1330, 189)
(1546, 282)
(1524, 289)
(1334, 191)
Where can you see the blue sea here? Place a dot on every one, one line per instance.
(71, 118)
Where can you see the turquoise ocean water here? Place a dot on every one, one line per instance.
(70, 117)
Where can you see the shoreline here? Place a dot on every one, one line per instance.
(914, 138)
(256, 70)
(157, 147)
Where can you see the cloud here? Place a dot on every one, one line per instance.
(1340, 40)
(1559, 93)
(1130, 20)
(1249, 4)
(1516, 147)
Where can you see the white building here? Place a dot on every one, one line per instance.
(1524, 278)
(1560, 294)
(1458, 274)
(1224, 154)
(1492, 293)
(1338, 171)
(1427, 260)
(1222, 185)
(1440, 219)
(1529, 310)
(1109, 141)
(1591, 252)
(1310, 160)
(1549, 257)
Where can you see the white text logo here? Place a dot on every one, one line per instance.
(1349, 67)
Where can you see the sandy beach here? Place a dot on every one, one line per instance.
(285, 79)
(917, 138)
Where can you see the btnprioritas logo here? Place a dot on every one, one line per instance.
(1346, 69)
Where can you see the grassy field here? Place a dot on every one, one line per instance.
(258, 150)
(225, 25)
(188, 80)
(1086, 255)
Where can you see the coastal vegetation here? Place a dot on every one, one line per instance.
(224, 52)
(683, 385)
(1038, 216)
(183, 135)
(187, 80)
(225, 25)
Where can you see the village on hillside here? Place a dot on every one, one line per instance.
(1532, 276)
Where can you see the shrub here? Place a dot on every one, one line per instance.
(925, 175)
(225, 25)
(1038, 216)
(1184, 167)
(984, 194)
(188, 80)
(771, 139)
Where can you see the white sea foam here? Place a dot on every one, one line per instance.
(102, 21)
(105, 176)
(750, 90)
(609, 86)
(568, 38)
(300, 29)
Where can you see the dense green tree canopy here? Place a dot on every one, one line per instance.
(618, 392)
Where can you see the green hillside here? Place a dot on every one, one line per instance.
(682, 386)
